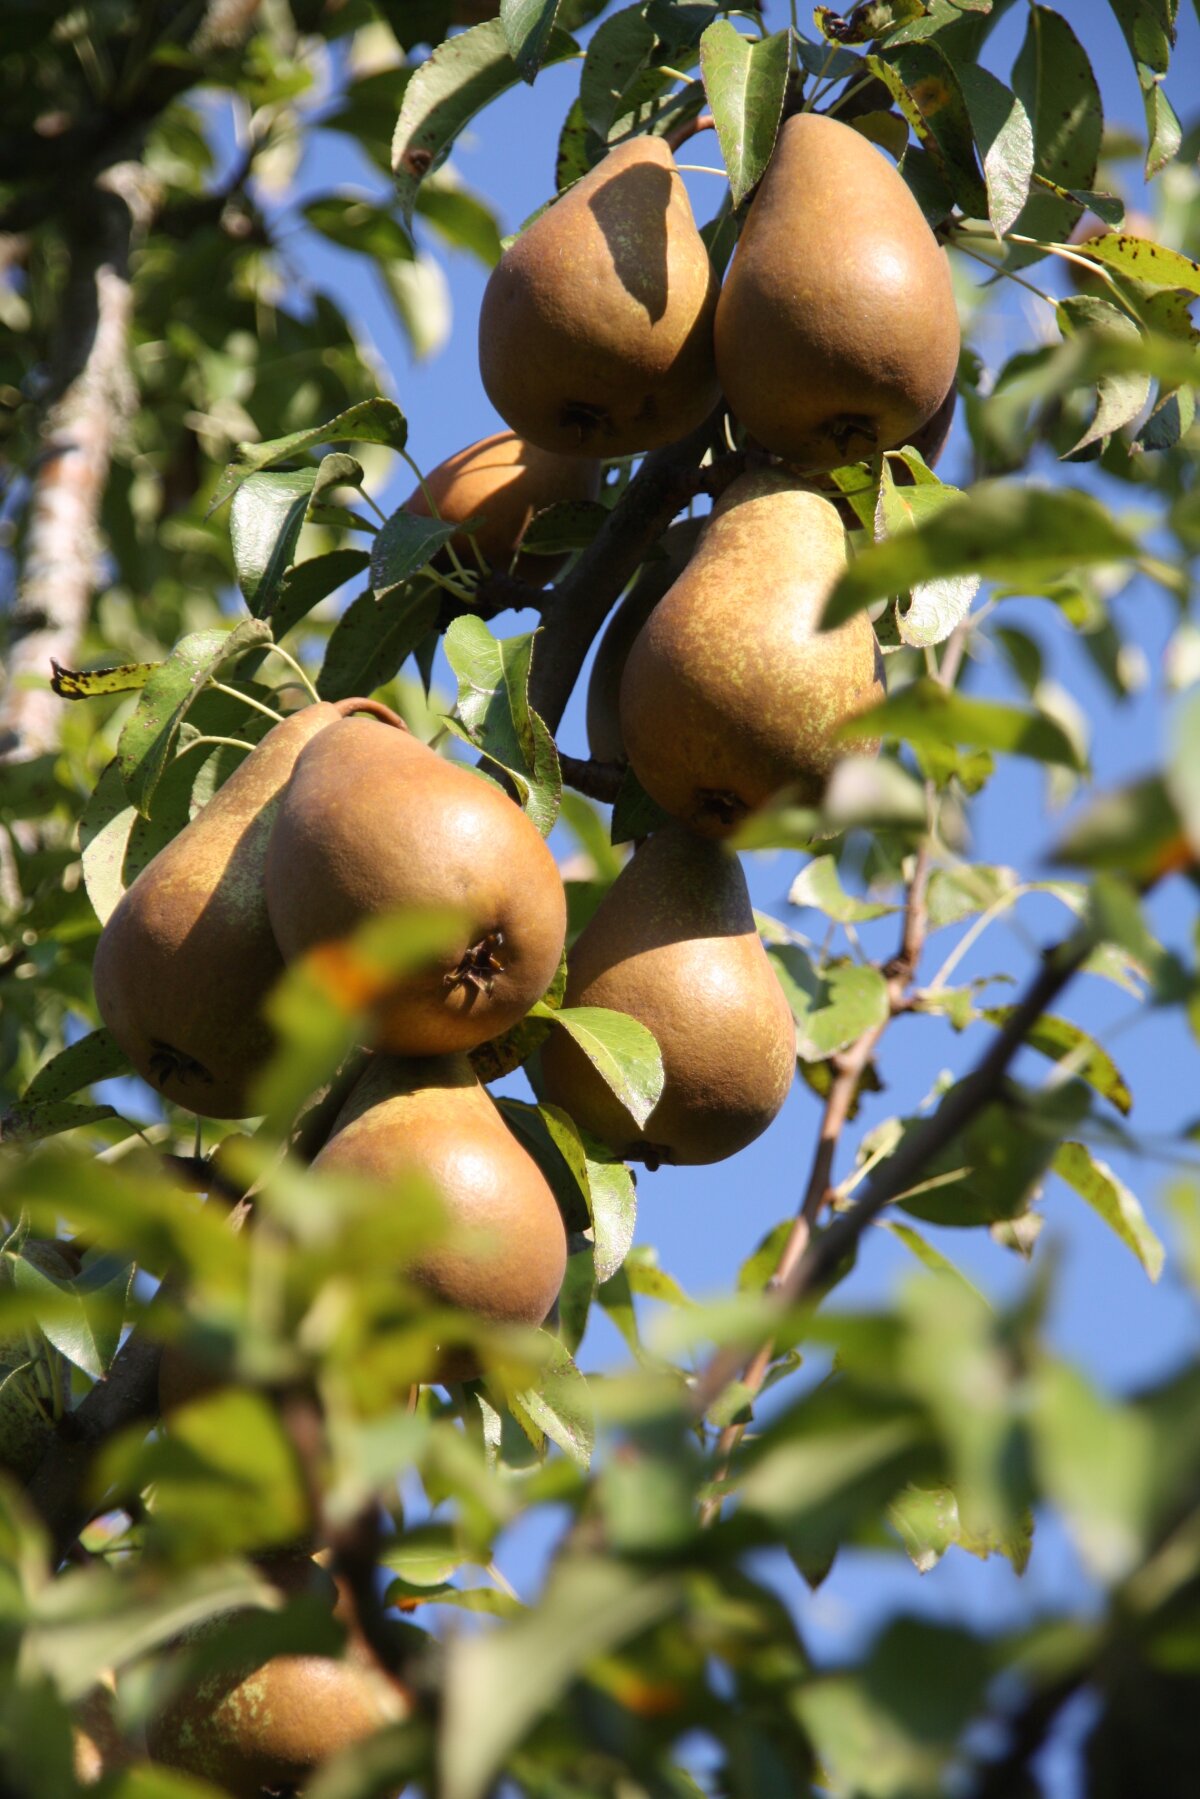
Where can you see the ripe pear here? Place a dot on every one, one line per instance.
(433, 1117)
(730, 691)
(271, 1726)
(373, 821)
(674, 944)
(596, 330)
(837, 332)
(502, 481)
(604, 688)
(187, 956)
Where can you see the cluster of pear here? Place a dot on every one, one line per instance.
(337, 817)
(604, 330)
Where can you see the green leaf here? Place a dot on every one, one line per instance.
(926, 89)
(460, 218)
(370, 421)
(926, 712)
(1143, 260)
(620, 50)
(1149, 28)
(957, 893)
(567, 525)
(148, 737)
(357, 225)
(82, 1318)
(622, 1051)
(1120, 397)
(832, 1006)
(1163, 129)
(426, 1555)
(928, 1256)
(928, 1522)
(493, 705)
(405, 543)
(818, 885)
(95, 1057)
(306, 584)
(935, 608)
(264, 526)
(527, 28)
(1017, 533)
(1054, 79)
(634, 813)
(498, 1683)
(560, 1404)
(745, 81)
(1095, 1465)
(87, 683)
(30, 1123)
(1061, 1040)
(1108, 1195)
(1005, 139)
(989, 1171)
(444, 94)
(373, 637)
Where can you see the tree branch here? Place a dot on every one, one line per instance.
(583, 598)
(599, 780)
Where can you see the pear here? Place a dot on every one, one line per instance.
(502, 481)
(730, 691)
(596, 330)
(656, 575)
(187, 956)
(373, 821)
(674, 944)
(837, 332)
(434, 1118)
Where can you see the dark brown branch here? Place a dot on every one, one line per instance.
(581, 602)
(692, 128)
(599, 780)
(60, 1489)
(823, 1254)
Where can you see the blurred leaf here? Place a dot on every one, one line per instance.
(29, 1123)
(499, 1683)
(833, 1006)
(817, 885)
(745, 82)
(148, 736)
(1120, 397)
(989, 1171)
(1013, 532)
(444, 94)
(427, 1555)
(567, 525)
(1062, 1041)
(264, 528)
(225, 1477)
(928, 1256)
(1095, 1181)
(634, 813)
(493, 704)
(1134, 829)
(928, 1523)
(934, 608)
(83, 1318)
(957, 893)
(403, 546)
(460, 218)
(370, 421)
(926, 712)
(926, 88)
(622, 1051)
(420, 294)
(1094, 1460)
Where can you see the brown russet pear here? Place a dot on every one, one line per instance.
(501, 482)
(187, 956)
(731, 692)
(596, 329)
(374, 822)
(674, 944)
(836, 332)
(656, 575)
(432, 1117)
(268, 1726)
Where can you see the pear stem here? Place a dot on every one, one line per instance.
(245, 698)
(232, 743)
(287, 657)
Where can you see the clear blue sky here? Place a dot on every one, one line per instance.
(1107, 1316)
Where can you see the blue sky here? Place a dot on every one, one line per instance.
(1106, 1315)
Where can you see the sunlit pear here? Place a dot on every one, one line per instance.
(836, 333)
(374, 822)
(674, 944)
(596, 329)
(432, 1117)
(187, 957)
(731, 692)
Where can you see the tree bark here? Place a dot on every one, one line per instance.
(93, 398)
